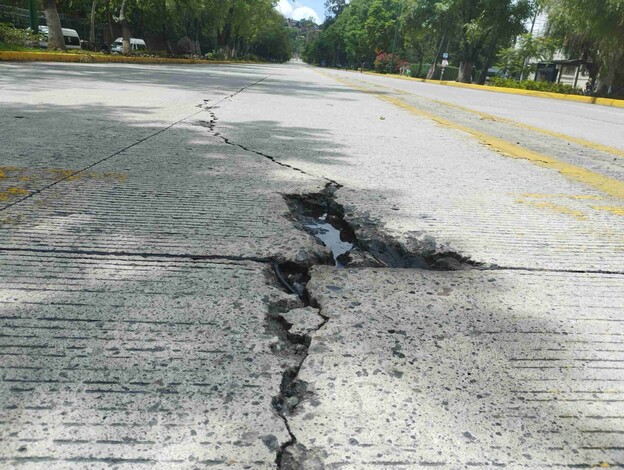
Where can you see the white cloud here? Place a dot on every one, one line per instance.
(297, 11)
(284, 8)
(303, 13)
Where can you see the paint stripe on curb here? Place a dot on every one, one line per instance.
(15, 56)
(513, 91)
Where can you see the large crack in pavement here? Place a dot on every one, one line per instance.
(293, 323)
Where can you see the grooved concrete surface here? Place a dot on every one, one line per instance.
(420, 180)
(141, 324)
(178, 189)
(468, 369)
(130, 361)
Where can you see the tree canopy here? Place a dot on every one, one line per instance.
(473, 33)
(225, 28)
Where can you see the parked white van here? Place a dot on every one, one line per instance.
(72, 40)
(135, 45)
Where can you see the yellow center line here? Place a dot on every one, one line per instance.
(558, 135)
(605, 184)
(491, 117)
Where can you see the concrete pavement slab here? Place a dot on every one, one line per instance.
(416, 180)
(124, 362)
(185, 192)
(463, 369)
(595, 123)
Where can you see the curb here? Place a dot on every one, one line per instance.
(512, 91)
(14, 56)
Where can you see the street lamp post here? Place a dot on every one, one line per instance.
(34, 16)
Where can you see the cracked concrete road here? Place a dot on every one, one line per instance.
(162, 305)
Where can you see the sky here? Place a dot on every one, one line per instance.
(302, 9)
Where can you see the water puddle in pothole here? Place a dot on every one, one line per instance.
(322, 229)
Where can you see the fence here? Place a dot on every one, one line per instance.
(20, 18)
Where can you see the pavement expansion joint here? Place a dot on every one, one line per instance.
(546, 270)
(145, 255)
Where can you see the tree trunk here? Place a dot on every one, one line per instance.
(465, 71)
(109, 29)
(488, 62)
(224, 37)
(165, 30)
(197, 46)
(125, 30)
(125, 37)
(92, 30)
(56, 41)
(432, 68)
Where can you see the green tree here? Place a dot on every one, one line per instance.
(513, 60)
(592, 30)
(484, 25)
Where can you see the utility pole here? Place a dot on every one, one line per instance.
(396, 30)
(34, 16)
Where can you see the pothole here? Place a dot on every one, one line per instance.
(320, 216)
(332, 237)
(362, 243)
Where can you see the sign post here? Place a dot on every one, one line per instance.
(444, 65)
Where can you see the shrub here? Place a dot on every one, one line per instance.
(384, 60)
(550, 87)
(18, 37)
(450, 73)
(215, 55)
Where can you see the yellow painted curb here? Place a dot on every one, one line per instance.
(15, 56)
(512, 91)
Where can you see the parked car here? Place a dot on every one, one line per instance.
(72, 40)
(136, 45)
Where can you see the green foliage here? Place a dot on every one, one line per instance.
(236, 27)
(356, 35)
(593, 31)
(450, 73)
(536, 86)
(528, 51)
(17, 37)
(470, 30)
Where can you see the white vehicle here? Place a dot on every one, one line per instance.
(72, 40)
(135, 45)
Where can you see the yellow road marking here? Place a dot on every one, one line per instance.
(607, 185)
(555, 208)
(613, 209)
(491, 117)
(576, 140)
(563, 196)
